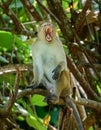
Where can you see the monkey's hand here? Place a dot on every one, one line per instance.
(51, 99)
(56, 72)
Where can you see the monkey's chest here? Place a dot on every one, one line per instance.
(50, 61)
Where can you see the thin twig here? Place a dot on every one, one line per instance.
(31, 9)
(4, 112)
(18, 26)
(12, 68)
(7, 3)
(86, 86)
(24, 32)
(12, 99)
(13, 124)
(27, 92)
(48, 11)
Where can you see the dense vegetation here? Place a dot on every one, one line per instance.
(78, 23)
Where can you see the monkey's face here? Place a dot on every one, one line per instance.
(47, 32)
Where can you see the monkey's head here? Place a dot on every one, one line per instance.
(47, 31)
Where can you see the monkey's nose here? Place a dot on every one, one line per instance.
(48, 29)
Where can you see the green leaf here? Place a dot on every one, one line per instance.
(19, 4)
(91, 128)
(38, 100)
(6, 39)
(98, 88)
(35, 123)
(65, 47)
(3, 59)
(20, 118)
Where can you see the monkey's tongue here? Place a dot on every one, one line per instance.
(48, 37)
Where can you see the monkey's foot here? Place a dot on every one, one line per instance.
(32, 86)
(51, 99)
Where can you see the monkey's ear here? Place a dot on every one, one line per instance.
(41, 22)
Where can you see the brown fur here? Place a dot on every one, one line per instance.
(63, 84)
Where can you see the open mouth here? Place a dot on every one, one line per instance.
(48, 34)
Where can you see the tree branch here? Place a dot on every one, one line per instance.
(18, 26)
(81, 101)
(7, 3)
(64, 24)
(31, 9)
(91, 120)
(27, 92)
(4, 112)
(79, 24)
(89, 103)
(91, 94)
(24, 32)
(13, 68)
(48, 11)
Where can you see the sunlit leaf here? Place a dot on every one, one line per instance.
(6, 39)
(46, 120)
(65, 47)
(99, 89)
(35, 123)
(72, 6)
(38, 100)
(91, 128)
(20, 118)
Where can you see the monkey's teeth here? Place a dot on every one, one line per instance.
(48, 37)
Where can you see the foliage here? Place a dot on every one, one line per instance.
(79, 27)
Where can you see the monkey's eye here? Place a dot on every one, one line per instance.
(47, 24)
(44, 25)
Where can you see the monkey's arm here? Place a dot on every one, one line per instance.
(37, 76)
(37, 65)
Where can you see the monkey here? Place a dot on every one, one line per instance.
(48, 59)
(50, 64)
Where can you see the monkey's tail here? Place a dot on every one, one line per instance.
(76, 114)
